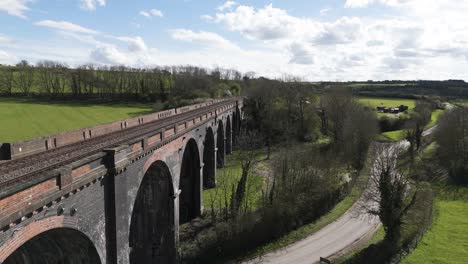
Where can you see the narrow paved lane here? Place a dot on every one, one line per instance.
(345, 232)
(350, 230)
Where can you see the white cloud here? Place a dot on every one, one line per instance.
(15, 7)
(265, 24)
(5, 40)
(202, 37)
(135, 44)
(6, 58)
(152, 13)
(364, 47)
(90, 5)
(227, 5)
(301, 53)
(358, 3)
(344, 30)
(65, 26)
(109, 54)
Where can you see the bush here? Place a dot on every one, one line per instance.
(415, 223)
(387, 124)
(300, 194)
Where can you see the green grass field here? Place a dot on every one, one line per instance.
(22, 119)
(447, 240)
(388, 102)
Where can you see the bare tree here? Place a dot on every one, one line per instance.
(6, 80)
(419, 119)
(335, 106)
(452, 139)
(248, 145)
(25, 76)
(388, 188)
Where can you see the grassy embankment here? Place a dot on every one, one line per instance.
(22, 119)
(230, 175)
(447, 239)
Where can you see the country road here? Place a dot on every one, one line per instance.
(336, 239)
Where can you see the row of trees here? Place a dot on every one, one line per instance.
(55, 79)
(452, 139)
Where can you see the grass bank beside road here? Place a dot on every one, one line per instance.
(22, 119)
(447, 240)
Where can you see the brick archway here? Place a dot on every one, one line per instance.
(37, 228)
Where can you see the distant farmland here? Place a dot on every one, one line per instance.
(388, 102)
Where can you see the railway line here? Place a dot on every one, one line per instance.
(25, 168)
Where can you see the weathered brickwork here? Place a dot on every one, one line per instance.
(96, 196)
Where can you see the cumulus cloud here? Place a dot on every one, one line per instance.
(109, 54)
(15, 7)
(301, 54)
(342, 31)
(152, 13)
(90, 5)
(227, 5)
(202, 37)
(6, 58)
(135, 44)
(65, 26)
(265, 24)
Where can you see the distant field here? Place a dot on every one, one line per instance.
(378, 84)
(388, 102)
(22, 119)
(447, 240)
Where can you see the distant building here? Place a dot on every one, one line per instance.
(393, 110)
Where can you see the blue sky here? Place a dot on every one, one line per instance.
(314, 40)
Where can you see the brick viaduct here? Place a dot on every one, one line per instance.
(113, 193)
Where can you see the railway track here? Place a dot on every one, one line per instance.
(25, 168)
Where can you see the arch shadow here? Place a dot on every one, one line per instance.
(228, 136)
(152, 230)
(56, 246)
(190, 187)
(220, 145)
(209, 160)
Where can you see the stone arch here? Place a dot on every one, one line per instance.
(152, 228)
(190, 187)
(209, 160)
(50, 241)
(228, 136)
